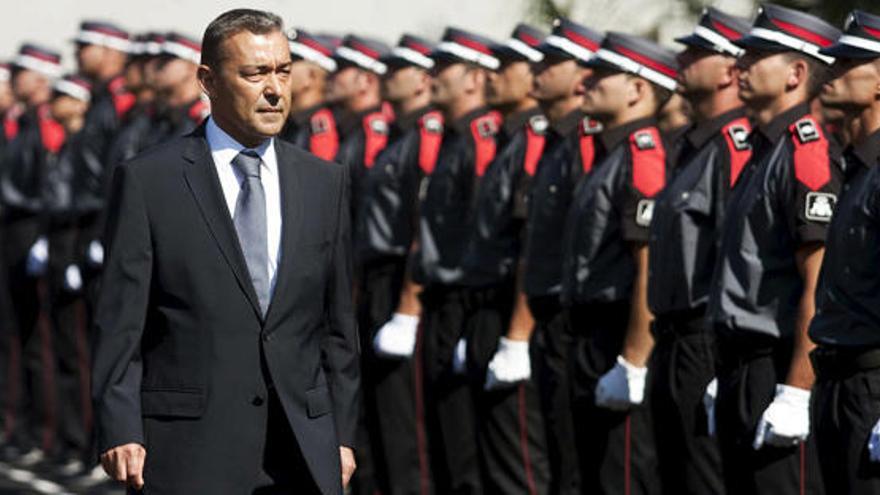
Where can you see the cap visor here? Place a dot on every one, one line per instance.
(505, 54)
(840, 50)
(696, 42)
(750, 42)
(598, 63)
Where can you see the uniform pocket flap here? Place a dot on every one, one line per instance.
(172, 403)
(319, 402)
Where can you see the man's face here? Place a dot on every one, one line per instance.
(702, 71)
(250, 88)
(30, 87)
(7, 98)
(509, 84)
(346, 83)
(89, 58)
(557, 78)
(606, 93)
(403, 83)
(173, 74)
(448, 84)
(65, 108)
(856, 84)
(300, 76)
(763, 76)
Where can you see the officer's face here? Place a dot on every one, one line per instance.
(89, 58)
(347, 83)
(856, 85)
(304, 76)
(764, 76)
(173, 75)
(607, 93)
(66, 108)
(30, 87)
(250, 88)
(404, 83)
(449, 83)
(7, 99)
(703, 72)
(557, 79)
(510, 84)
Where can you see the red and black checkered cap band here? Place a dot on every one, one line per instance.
(103, 34)
(39, 59)
(574, 39)
(183, 47)
(467, 47)
(363, 53)
(306, 47)
(640, 57)
(793, 30)
(75, 87)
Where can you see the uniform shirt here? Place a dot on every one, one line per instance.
(688, 213)
(224, 149)
(390, 201)
(314, 129)
(848, 298)
(612, 209)
(364, 135)
(493, 244)
(468, 145)
(560, 167)
(783, 199)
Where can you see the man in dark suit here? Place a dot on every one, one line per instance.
(226, 345)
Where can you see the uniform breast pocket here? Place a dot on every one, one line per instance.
(695, 203)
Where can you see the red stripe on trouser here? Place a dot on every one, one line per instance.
(421, 442)
(524, 438)
(83, 362)
(45, 336)
(803, 470)
(627, 440)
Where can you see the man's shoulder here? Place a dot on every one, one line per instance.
(157, 161)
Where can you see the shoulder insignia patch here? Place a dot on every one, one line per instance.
(739, 136)
(819, 206)
(538, 124)
(812, 164)
(644, 212)
(644, 140)
(807, 131)
(590, 126)
(648, 161)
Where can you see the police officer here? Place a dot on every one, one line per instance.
(7, 103)
(468, 146)
(312, 122)
(182, 106)
(605, 258)
(761, 296)
(31, 396)
(388, 309)
(685, 231)
(569, 150)
(845, 325)
(497, 323)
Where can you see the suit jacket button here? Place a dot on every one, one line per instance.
(257, 401)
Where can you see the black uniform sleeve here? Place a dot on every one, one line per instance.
(814, 180)
(646, 177)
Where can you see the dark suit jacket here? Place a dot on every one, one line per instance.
(183, 357)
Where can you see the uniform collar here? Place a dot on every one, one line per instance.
(407, 121)
(773, 130)
(700, 133)
(568, 124)
(350, 121)
(462, 123)
(302, 117)
(611, 138)
(868, 151)
(516, 121)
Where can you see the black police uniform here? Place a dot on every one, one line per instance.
(783, 200)
(385, 230)
(847, 360)
(509, 422)
(314, 129)
(363, 135)
(611, 211)
(468, 145)
(685, 232)
(569, 151)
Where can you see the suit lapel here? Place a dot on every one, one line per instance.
(291, 209)
(201, 177)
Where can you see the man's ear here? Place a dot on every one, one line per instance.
(798, 72)
(729, 73)
(206, 80)
(637, 89)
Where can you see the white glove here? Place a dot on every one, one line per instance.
(459, 357)
(95, 253)
(622, 387)
(874, 443)
(510, 364)
(786, 422)
(72, 278)
(38, 258)
(397, 337)
(709, 397)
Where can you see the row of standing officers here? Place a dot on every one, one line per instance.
(560, 288)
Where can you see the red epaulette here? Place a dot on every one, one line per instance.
(375, 136)
(52, 133)
(430, 138)
(648, 161)
(388, 112)
(812, 165)
(123, 99)
(589, 129)
(483, 130)
(199, 111)
(10, 123)
(324, 139)
(536, 131)
(736, 134)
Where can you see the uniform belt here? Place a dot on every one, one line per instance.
(680, 324)
(830, 361)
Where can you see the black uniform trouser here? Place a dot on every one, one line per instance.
(10, 348)
(394, 419)
(615, 449)
(682, 365)
(70, 332)
(32, 406)
(551, 343)
(846, 406)
(750, 367)
(509, 423)
(449, 406)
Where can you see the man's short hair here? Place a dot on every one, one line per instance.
(661, 94)
(231, 23)
(818, 72)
